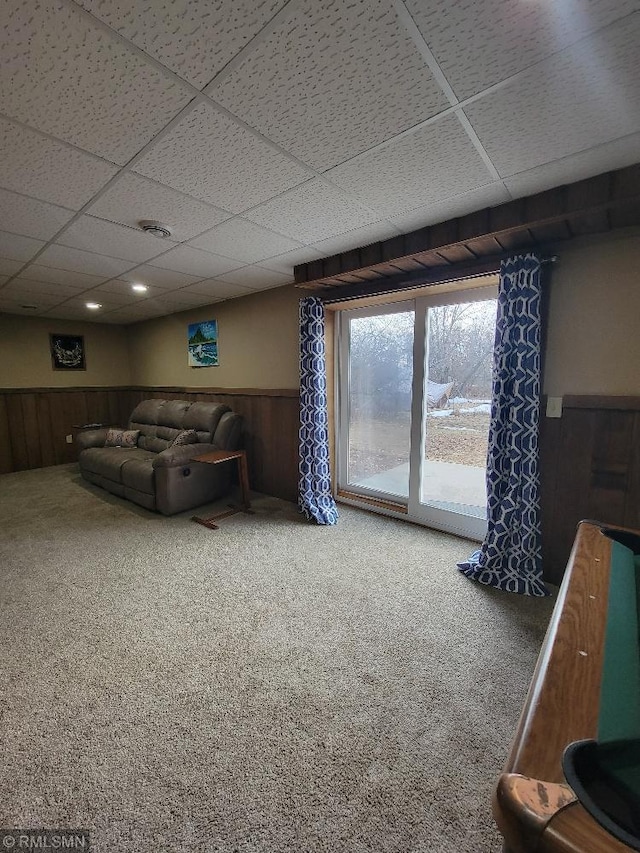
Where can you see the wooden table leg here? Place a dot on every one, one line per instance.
(243, 472)
(243, 476)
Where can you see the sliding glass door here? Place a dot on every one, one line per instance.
(414, 383)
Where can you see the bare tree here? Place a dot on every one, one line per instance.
(460, 350)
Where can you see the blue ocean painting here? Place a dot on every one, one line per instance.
(203, 344)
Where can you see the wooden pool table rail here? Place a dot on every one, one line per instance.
(562, 706)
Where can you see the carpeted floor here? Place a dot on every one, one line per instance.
(271, 687)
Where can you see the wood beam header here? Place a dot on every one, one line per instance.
(476, 242)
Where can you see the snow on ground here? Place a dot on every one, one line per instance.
(482, 407)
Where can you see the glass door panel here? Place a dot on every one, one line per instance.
(454, 410)
(377, 417)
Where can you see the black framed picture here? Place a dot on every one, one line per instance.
(67, 352)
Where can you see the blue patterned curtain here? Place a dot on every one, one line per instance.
(510, 557)
(315, 499)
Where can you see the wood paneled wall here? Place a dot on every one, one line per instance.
(34, 423)
(590, 468)
(590, 458)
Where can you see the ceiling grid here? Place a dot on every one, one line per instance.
(271, 133)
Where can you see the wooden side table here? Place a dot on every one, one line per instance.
(214, 458)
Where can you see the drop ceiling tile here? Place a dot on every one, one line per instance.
(132, 198)
(67, 311)
(349, 78)
(107, 238)
(75, 260)
(18, 248)
(195, 262)
(123, 286)
(285, 263)
(612, 155)
(480, 43)
(31, 297)
(30, 217)
(208, 156)
(108, 298)
(356, 238)
(312, 212)
(244, 241)
(11, 306)
(26, 285)
(3, 279)
(166, 279)
(9, 266)
(256, 277)
(194, 39)
(215, 289)
(121, 317)
(580, 98)
(136, 313)
(79, 304)
(179, 300)
(428, 214)
(47, 169)
(77, 280)
(72, 79)
(428, 165)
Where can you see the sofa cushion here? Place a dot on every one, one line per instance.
(122, 438)
(138, 473)
(109, 461)
(154, 444)
(204, 418)
(171, 413)
(145, 418)
(168, 433)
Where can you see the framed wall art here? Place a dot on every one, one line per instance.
(203, 344)
(67, 352)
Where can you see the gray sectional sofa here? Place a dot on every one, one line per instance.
(155, 474)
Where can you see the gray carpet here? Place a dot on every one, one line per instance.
(272, 686)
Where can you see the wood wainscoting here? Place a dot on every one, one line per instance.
(590, 469)
(34, 423)
(590, 457)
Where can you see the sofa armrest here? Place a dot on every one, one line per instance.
(228, 431)
(91, 438)
(174, 457)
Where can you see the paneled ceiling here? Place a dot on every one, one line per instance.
(269, 133)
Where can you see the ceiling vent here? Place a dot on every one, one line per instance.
(156, 229)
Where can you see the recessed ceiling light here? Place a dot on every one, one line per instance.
(93, 305)
(139, 288)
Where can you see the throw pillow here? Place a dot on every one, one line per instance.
(122, 438)
(187, 436)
